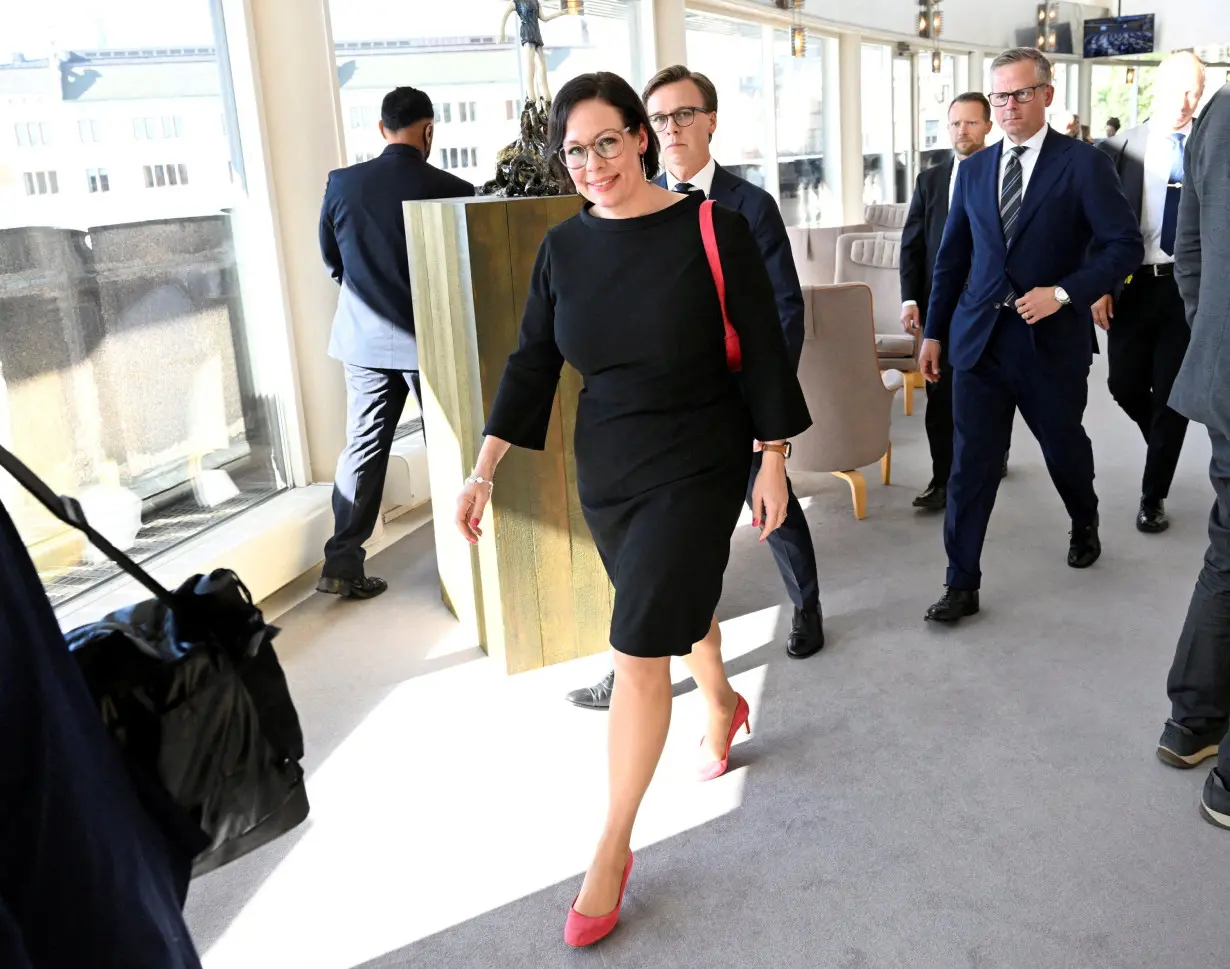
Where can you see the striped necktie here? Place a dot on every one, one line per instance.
(1012, 194)
(687, 188)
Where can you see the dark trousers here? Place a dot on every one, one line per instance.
(938, 420)
(374, 402)
(86, 876)
(939, 423)
(1147, 340)
(1052, 400)
(1199, 681)
(792, 547)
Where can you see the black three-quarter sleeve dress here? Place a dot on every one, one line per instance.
(664, 431)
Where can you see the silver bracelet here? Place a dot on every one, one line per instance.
(479, 479)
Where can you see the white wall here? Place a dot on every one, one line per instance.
(1186, 23)
(980, 23)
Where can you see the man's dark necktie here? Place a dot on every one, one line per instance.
(1170, 219)
(687, 188)
(1012, 195)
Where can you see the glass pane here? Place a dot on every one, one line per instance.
(160, 176)
(126, 380)
(935, 94)
(183, 174)
(44, 130)
(732, 55)
(28, 178)
(903, 127)
(1114, 96)
(808, 152)
(879, 163)
(446, 49)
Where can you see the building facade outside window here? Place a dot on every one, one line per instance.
(879, 160)
(732, 55)
(452, 51)
(127, 368)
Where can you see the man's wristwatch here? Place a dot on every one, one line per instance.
(1062, 297)
(782, 449)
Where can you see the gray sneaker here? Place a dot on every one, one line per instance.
(596, 697)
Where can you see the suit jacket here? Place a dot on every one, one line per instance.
(1202, 257)
(761, 212)
(1076, 230)
(363, 241)
(923, 232)
(1128, 150)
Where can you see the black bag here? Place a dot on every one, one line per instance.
(191, 690)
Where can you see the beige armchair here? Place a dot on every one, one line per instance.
(873, 258)
(849, 397)
(815, 251)
(887, 217)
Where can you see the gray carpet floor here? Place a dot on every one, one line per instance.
(984, 797)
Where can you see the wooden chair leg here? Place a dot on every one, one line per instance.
(886, 465)
(858, 491)
(907, 392)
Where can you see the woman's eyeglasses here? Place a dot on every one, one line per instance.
(1023, 96)
(608, 145)
(683, 118)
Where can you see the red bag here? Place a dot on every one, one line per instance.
(734, 353)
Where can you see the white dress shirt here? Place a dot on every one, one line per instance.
(1157, 177)
(1029, 160)
(952, 181)
(702, 180)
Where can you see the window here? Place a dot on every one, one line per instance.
(356, 117)
(473, 157)
(732, 54)
(41, 183)
(879, 158)
(452, 157)
(935, 94)
(363, 156)
(178, 446)
(32, 133)
(161, 176)
(809, 157)
(378, 45)
(1114, 96)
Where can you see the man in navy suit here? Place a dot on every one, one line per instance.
(969, 124)
(682, 107)
(1038, 230)
(363, 241)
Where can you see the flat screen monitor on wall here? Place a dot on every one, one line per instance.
(1119, 36)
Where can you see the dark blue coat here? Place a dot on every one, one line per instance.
(1076, 230)
(363, 241)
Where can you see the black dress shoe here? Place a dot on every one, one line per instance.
(1086, 547)
(1184, 748)
(1152, 519)
(368, 587)
(935, 498)
(596, 697)
(1215, 801)
(955, 605)
(806, 633)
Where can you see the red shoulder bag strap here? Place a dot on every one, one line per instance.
(734, 353)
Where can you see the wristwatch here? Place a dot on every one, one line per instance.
(1062, 297)
(782, 449)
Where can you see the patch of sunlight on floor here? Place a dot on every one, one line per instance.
(463, 791)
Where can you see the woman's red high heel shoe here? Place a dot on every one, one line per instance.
(742, 713)
(582, 930)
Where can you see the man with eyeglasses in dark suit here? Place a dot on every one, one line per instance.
(682, 107)
(1038, 230)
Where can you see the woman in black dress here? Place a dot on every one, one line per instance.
(664, 433)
